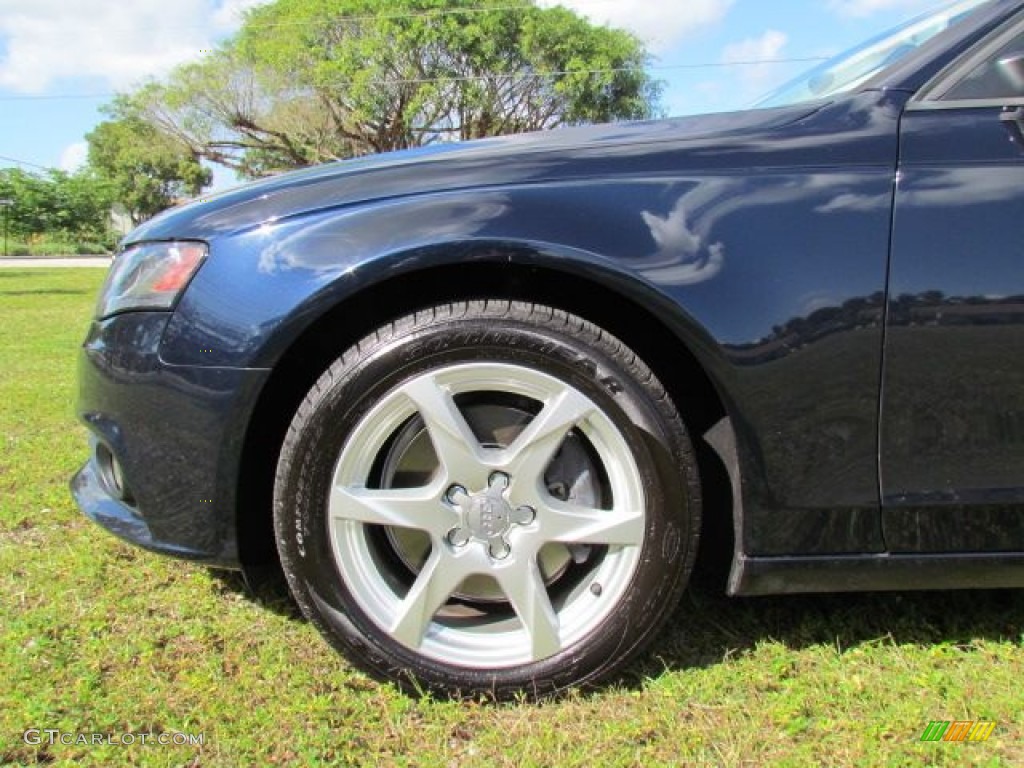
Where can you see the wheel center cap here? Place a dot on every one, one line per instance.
(488, 516)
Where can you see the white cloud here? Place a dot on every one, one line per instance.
(862, 8)
(231, 13)
(119, 44)
(74, 156)
(769, 46)
(116, 44)
(660, 25)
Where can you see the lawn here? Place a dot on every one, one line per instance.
(97, 637)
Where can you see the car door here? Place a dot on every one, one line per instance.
(952, 417)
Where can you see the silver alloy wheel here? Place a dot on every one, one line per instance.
(573, 475)
(488, 513)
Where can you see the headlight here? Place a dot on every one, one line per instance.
(149, 276)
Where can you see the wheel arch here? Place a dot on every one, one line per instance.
(609, 299)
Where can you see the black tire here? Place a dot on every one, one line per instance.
(590, 604)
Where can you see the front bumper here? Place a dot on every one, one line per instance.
(177, 434)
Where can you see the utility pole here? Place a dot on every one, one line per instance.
(5, 203)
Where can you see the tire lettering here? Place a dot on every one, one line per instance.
(612, 385)
(587, 366)
(670, 543)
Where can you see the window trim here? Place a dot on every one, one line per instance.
(929, 97)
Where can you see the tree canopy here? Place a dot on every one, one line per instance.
(77, 205)
(307, 81)
(146, 169)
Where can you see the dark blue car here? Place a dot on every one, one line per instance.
(481, 401)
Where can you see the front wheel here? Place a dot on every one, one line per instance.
(487, 497)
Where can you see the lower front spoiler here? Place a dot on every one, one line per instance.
(123, 521)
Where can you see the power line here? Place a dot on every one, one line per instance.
(59, 96)
(472, 78)
(16, 161)
(565, 72)
(440, 13)
(334, 20)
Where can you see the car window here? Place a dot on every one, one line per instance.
(999, 76)
(858, 65)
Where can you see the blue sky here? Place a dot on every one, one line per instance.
(60, 62)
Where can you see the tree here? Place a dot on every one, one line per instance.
(147, 169)
(57, 204)
(307, 81)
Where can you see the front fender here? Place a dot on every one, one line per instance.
(262, 288)
(774, 281)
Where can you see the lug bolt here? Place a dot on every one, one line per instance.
(524, 515)
(499, 550)
(458, 537)
(498, 480)
(455, 494)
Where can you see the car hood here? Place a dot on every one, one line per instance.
(526, 158)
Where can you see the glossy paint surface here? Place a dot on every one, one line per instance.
(953, 419)
(774, 275)
(176, 430)
(788, 251)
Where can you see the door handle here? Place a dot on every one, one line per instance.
(1013, 119)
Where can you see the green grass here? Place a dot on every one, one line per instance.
(96, 636)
